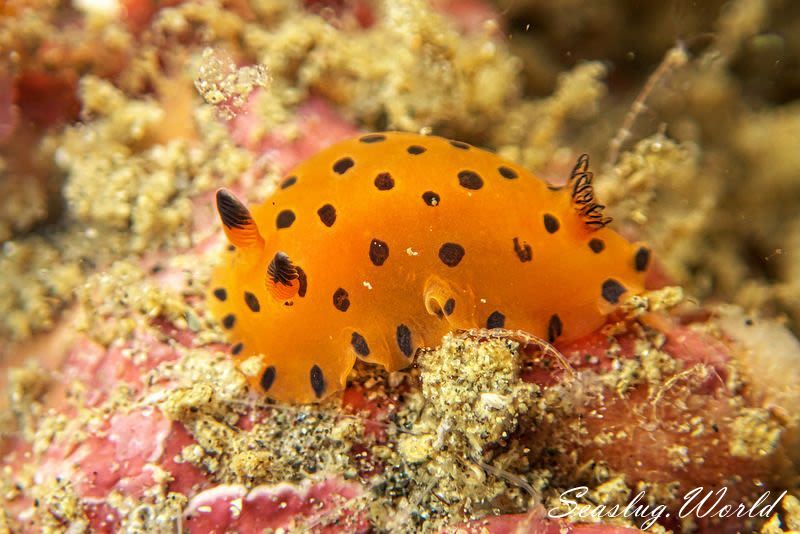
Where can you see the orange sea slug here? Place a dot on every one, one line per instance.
(381, 244)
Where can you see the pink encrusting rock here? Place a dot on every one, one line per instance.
(690, 346)
(323, 506)
(103, 369)
(115, 458)
(471, 16)
(283, 150)
(675, 413)
(537, 522)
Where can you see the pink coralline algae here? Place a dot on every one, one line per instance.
(322, 506)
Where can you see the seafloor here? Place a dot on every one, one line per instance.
(121, 410)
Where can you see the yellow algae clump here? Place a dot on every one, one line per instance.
(770, 196)
(475, 389)
(755, 433)
(410, 70)
(164, 515)
(35, 281)
(59, 505)
(792, 507)
(24, 197)
(225, 86)
(146, 184)
(648, 187)
(530, 133)
(124, 299)
(127, 191)
(286, 444)
(459, 452)
(25, 386)
(138, 181)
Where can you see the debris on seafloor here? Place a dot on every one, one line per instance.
(123, 410)
(471, 404)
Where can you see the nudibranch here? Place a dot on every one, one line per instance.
(379, 245)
